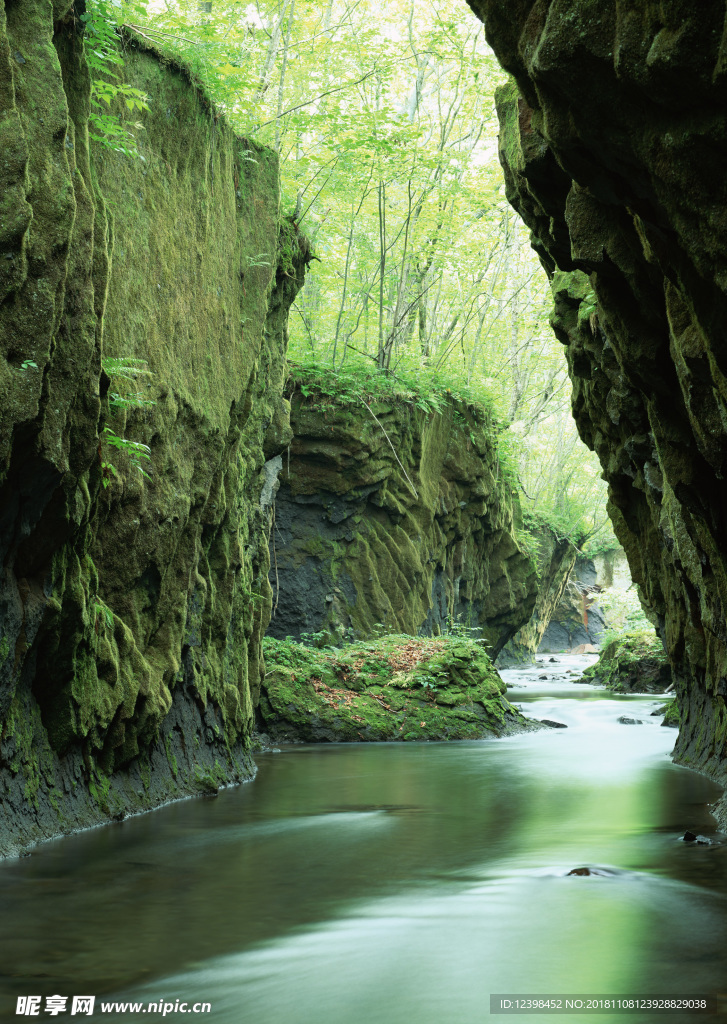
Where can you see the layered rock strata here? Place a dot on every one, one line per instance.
(392, 517)
(131, 609)
(614, 144)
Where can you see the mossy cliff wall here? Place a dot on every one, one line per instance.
(556, 557)
(355, 546)
(615, 152)
(131, 615)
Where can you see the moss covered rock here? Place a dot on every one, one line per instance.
(393, 688)
(131, 609)
(614, 144)
(556, 557)
(396, 516)
(632, 662)
(671, 714)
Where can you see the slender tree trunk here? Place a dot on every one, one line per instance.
(342, 306)
(380, 358)
(281, 85)
(266, 73)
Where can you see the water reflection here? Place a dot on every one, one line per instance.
(381, 882)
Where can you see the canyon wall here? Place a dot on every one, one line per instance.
(555, 559)
(131, 607)
(576, 618)
(566, 613)
(614, 144)
(391, 516)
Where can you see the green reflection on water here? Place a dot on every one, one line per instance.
(381, 882)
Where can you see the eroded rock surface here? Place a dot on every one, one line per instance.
(357, 545)
(576, 620)
(614, 144)
(131, 610)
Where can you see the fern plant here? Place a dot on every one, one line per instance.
(127, 369)
(102, 22)
(124, 368)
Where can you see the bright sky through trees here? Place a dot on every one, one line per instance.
(383, 116)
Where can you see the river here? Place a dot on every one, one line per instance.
(394, 883)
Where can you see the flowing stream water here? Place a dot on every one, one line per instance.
(394, 883)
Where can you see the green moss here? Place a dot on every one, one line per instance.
(671, 714)
(145, 770)
(205, 781)
(32, 757)
(170, 755)
(507, 97)
(632, 660)
(447, 520)
(395, 688)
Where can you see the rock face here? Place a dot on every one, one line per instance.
(566, 614)
(612, 569)
(131, 610)
(576, 619)
(357, 544)
(615, 150)
(555, 558)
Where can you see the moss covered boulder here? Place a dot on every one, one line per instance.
(393, 688)
(633, 662)
(671, 714)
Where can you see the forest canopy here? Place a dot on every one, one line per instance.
(384, 121)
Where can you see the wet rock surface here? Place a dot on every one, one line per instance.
(360, 542)
(614, 144)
